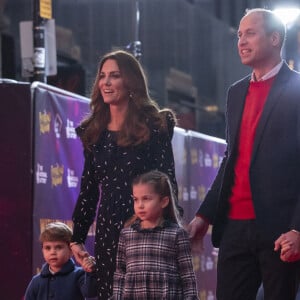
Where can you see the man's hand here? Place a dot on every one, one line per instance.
(289, 245)
(197, 230)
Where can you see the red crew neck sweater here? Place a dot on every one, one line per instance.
(241, 204)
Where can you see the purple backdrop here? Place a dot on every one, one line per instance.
(205, 155)
(58, 163)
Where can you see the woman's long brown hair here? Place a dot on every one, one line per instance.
(142, 110)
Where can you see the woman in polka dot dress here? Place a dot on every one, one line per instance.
(125, 135)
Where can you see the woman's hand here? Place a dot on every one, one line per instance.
(89, 263)
(79, 253)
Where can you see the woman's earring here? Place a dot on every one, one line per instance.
(131, 95)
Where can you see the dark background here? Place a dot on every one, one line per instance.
(188, 48)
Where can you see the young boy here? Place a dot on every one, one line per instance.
(60, 278)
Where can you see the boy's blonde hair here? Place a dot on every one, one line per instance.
(56, 231)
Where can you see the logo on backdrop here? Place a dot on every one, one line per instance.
(57, 126)
(72, 180)
(201, 192)
(41, 175)
(70, 130)
(44, 120)
(57, 173)
(216, 160)
(207, 160)
(194, 157)
(193, 193)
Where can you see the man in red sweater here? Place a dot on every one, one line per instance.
(254, 201)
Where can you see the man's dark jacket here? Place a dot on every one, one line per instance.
(275, 163)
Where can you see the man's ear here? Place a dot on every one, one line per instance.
(275, 38)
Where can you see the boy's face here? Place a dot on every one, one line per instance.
(56, 254)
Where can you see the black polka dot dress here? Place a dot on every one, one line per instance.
(106, 185)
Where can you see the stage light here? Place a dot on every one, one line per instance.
(287, 15)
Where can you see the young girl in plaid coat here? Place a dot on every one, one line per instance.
(154, 257)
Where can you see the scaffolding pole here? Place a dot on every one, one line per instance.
(39, 50)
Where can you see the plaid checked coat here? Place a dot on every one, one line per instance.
(154, 264)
